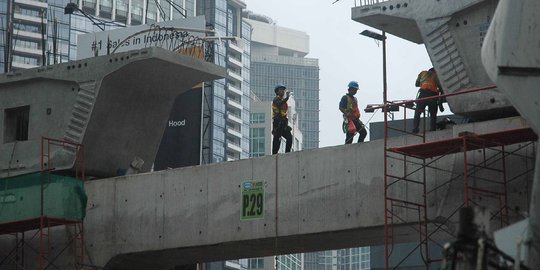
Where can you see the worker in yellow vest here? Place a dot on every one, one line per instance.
(429, 86)
(280, 122)
(348, 105)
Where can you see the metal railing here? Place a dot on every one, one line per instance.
(359, 3)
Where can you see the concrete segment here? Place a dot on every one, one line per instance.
(317, 199)
(453, 33)
(108, 103)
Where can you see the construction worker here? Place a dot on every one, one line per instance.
(351, 115)
(280, 122)
(429, 86)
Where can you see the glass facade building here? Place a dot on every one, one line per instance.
(33, 33)
(227, 100)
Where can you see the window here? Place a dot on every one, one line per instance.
(256, 263)
(121, 11)
(257, 118)
(89, 6)
(257, 142)
(16, 124)
(136, 12)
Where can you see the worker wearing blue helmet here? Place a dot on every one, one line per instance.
(351, 115)
(280, 122)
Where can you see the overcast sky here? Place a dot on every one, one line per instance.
(344, 55)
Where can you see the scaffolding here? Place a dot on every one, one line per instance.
(43, 251)
(412, 173)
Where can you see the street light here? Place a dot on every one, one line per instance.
(382, 38)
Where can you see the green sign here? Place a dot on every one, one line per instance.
(252, 200)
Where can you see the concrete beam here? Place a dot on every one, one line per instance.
(316, 199)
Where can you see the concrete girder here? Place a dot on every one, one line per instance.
(511, 56)
(109, 103)
(453, 32)
(317, 199)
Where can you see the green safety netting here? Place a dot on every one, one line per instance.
(20, 197)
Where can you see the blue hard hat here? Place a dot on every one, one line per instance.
(353, 84)
(279, 86)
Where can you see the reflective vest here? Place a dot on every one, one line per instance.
(279, 111)
(352, 107)
(428, 81)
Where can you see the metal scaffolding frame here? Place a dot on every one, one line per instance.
(40, 228)
(406, 170)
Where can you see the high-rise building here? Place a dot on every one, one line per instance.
(278, 56)
(32, 33)
(226, 101)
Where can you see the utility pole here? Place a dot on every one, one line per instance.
(43, 36)
(9, 30)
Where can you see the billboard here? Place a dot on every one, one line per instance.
(169, 34)
(181, 142)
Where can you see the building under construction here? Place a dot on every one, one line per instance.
(78, 141)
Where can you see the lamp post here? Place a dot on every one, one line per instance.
(382, 37)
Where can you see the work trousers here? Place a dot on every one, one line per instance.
(360, 129)
(421, 107)
(281, 129)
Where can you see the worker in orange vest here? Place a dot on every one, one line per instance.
(348, 105)
(429, 86)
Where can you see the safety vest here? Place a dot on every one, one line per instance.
(428, 81)
(279, 111)
(352, 107)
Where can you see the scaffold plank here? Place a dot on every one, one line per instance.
(474, 141)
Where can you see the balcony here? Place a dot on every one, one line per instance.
(23, 65)
(36, 20)
(235, 62)
(234, 89)
(236, 47)
(232, 264)
(28, 34)
(233, 146)
(233, 75)
(33, 3)
(234, 103)
(27, 51)
(234, 132)
(235, 118)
